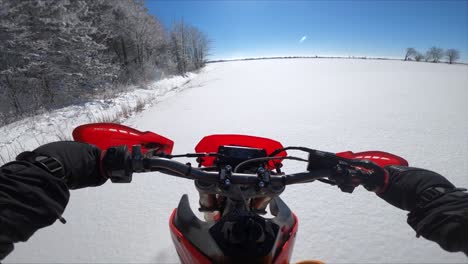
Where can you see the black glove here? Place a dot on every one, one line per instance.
(406, 185)
(80, 162)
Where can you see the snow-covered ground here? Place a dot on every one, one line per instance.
(416, 110)
(31, 132)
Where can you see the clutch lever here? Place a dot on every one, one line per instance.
(347, 174)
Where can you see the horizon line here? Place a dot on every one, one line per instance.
(326, 57)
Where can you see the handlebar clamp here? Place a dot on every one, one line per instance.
(225, 176)
(263, 177)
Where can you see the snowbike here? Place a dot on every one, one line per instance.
(237, 177)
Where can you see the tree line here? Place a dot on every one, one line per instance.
(57, 53)
(434, 54)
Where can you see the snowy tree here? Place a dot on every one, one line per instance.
(189, 47)
(50, 54)
(55, 53)
(179, 47)
(452, 55)
(418, 57)
(434, 54)
(198, 47)
(139, 40)
(410, 52)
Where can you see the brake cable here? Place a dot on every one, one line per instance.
(360, 166)
(265, 159)
(327, 181)
(363, 163)
(193, 155)
(276, 152)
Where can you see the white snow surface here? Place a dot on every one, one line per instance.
(416, 110)
(31, 132)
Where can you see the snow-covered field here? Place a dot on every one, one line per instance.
(416, 110)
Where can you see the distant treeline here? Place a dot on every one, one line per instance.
(451, 54)
(301, 57)
(57, 53)
(434, 54)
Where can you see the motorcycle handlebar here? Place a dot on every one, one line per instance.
(187, 171)
(119, 166)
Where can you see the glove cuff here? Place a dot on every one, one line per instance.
(47, 163)
(433, 193)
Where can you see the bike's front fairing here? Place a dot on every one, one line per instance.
(212, 143)
(239, 236)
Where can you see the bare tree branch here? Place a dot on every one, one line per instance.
(434, 54)
(409, 53)
(453, 55)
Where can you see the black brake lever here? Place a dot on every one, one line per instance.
(344, 177)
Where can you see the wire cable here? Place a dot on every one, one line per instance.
(194, 155)
(276, 152)
(267, 158)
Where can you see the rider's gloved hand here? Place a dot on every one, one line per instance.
(405, 185)
(80, 162)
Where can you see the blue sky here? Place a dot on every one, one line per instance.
(356, 28)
